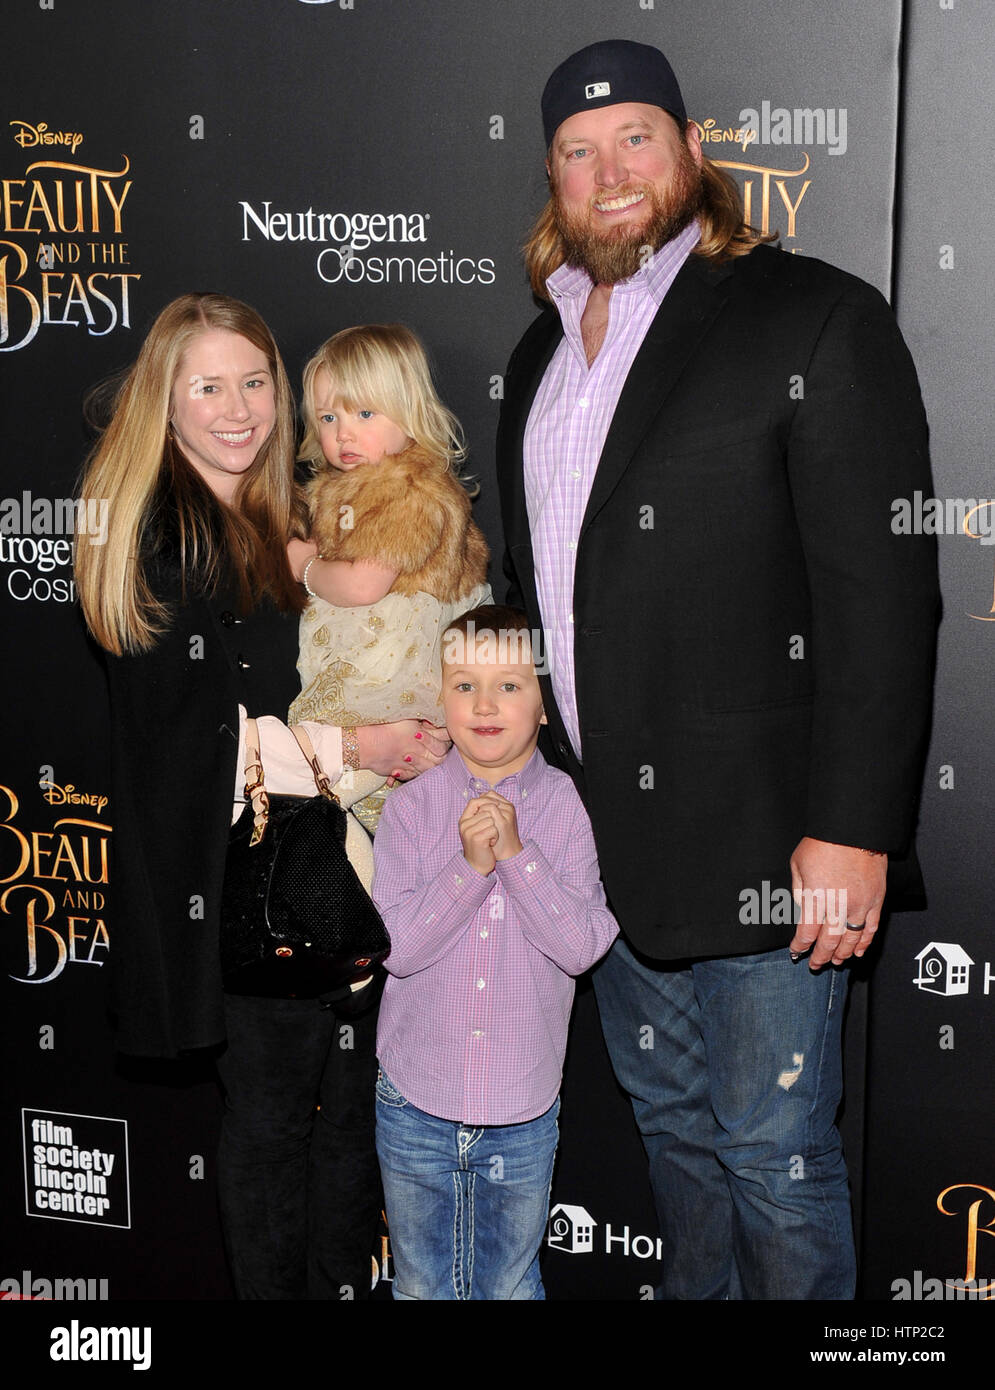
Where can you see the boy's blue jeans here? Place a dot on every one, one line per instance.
(466, 1206)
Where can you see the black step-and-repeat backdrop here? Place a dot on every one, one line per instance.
(344, 161)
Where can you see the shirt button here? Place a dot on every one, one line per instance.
(572, 545)
(531, 868)
(478, 1032)
(570, 617)
(480, 984)
(575, 472)
(483, 934)
(583, 402)
(458, 879)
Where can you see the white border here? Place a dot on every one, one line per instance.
(76, 1220)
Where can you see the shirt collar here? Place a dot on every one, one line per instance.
(519, 784)
(654, 278)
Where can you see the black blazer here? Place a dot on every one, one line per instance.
(753, 644)
(174, 738)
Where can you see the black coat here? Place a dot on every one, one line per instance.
(174, 714)
(770, 417)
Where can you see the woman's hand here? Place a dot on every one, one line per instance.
(402, 750)
(298, 553)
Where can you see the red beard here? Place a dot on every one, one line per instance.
(617, 253)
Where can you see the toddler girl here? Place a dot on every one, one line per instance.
(398, 555)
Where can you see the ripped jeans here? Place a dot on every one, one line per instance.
(735, 1089)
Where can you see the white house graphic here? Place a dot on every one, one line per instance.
(571, 1229)
(943, 968)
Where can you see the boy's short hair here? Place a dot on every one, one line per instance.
(505, 631)
(490, 617)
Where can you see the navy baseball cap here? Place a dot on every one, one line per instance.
(605, 74)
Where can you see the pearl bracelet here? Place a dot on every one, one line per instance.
(307, 586)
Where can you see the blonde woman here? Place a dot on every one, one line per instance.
(193, 601)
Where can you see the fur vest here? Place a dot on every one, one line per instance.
(406, 514)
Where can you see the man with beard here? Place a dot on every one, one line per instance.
(700, 443)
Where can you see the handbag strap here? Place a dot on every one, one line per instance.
(255, 791)
(320, 776)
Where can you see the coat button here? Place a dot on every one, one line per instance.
(228, 619)
(563, 750)
(242, 664)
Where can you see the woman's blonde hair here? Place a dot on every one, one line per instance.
(382, 367)
(154, 496)
(725, 233)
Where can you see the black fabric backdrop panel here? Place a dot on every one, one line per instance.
(932, 1094)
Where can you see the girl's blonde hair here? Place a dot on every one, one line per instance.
(155, 496)
(382, 367)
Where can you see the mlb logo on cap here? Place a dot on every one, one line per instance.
(610, 74)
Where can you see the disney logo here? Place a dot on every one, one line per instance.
(31, 135)
(710, 133)
(69, 796)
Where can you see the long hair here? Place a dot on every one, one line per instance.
(155, 497)
(382, 367)
(725, 233)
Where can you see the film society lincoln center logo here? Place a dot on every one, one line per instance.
(76, 1168)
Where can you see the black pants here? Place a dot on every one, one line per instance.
(299, 1185)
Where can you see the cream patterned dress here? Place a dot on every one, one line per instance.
(375, 664)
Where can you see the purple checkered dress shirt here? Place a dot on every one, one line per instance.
(566, 432)
(473, 1025)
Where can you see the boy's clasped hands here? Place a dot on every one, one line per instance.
(488, 829)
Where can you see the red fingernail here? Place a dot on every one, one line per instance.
(419, 735)
(407, 757)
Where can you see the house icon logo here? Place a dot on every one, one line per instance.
(571, 1229)
(944, 968)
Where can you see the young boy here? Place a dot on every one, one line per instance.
(487, 880)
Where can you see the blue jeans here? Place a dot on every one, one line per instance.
(466, 1206)
(734, 1070)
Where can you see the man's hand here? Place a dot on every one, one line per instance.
(508, 843)
(835, 885)
(479, 833)
(402, 750)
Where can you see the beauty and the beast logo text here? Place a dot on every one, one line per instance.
(53, 883)
(63, 255)
(758, 182)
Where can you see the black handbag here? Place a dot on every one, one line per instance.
(296, 921)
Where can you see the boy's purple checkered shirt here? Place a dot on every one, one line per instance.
(473, 1025)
